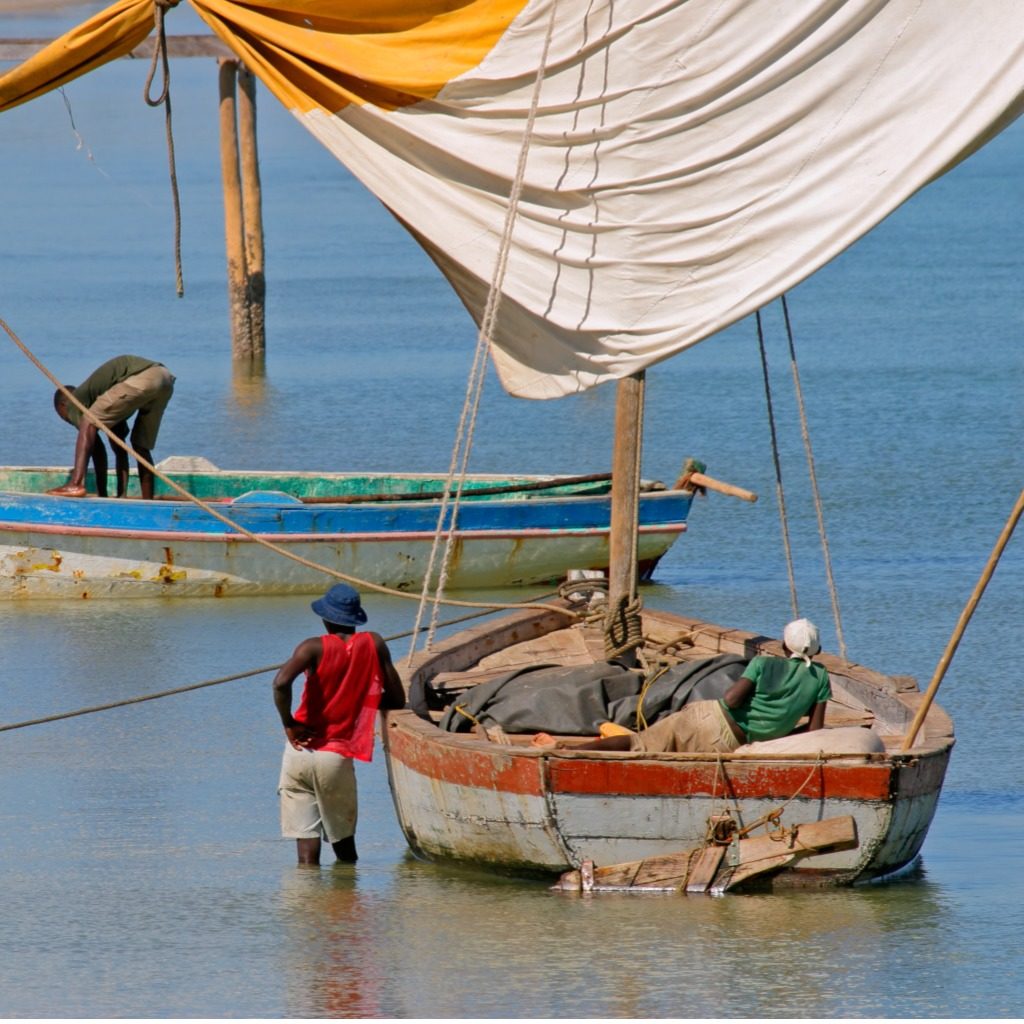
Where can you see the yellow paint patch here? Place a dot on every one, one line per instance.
(168, 575)
(391, 53)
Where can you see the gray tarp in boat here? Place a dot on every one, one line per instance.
(574, 701)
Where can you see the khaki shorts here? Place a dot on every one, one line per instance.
(146, 393)
(697, 728)
(318, 795)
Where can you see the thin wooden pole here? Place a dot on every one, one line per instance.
(965, 617)
(252, 215)
(622, 571)
(234, 230)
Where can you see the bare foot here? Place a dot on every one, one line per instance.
(68, 491)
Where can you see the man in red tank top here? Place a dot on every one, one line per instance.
(349, 676)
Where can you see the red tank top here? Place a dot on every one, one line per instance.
(342, 694)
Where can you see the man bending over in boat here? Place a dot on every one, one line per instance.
(349, 675)
(766, 702)
(112, 393)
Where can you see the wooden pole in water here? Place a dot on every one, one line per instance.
(622, 570)
(965, 617)
(234, 229)
(252, 216)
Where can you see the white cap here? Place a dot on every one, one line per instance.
(801, 637)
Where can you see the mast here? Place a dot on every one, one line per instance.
(622, 537)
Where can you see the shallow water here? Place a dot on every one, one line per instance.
(143, 874)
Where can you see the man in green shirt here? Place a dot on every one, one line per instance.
(765, 703)
(121, 387)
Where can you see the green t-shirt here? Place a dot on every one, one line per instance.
(785, 689)
(103, 378)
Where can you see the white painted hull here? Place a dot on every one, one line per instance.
(38, 566)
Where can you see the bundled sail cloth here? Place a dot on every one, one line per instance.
(688, 160)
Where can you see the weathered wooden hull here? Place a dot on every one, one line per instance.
(517, 809)
(53, 547)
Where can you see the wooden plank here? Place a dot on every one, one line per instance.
(661, 871)
(705, 868)
(699, 869)
(177, 46)
(747, 871)
(760, 854)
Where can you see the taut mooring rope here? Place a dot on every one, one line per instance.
(237, 527)
(191, 686)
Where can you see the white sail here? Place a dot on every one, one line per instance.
(690, 160)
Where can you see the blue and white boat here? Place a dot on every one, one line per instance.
(379, 527)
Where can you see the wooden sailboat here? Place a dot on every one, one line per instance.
(604, 188)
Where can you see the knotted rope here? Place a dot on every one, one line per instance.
(164, 99)
(623, 627)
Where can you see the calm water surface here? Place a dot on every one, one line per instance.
(141, 865)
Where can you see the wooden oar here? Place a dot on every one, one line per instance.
(695, 479)
(965, 617)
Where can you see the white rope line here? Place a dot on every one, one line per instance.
(478, 374)
(806, 434)
(779, 492)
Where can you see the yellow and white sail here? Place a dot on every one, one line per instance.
(689, 160)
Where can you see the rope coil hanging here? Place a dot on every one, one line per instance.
(164, 100)
(623, 627)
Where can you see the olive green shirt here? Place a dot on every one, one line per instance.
(103, 378)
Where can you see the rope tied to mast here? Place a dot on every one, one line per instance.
(623, 627)
(164, 100)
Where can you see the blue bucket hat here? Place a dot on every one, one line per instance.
(340, 606)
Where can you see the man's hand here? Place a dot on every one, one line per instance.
(68, 491)
(298, 735)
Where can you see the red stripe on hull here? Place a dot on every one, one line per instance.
(742, 780)
(448, 758)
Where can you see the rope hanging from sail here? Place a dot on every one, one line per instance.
(164, 100)
(237, 527)
(818, 509)
(779, 491)
(812, 474)
(474, 388)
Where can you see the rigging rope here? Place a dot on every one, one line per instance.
(779, 493)
(474, 388)
(237, 527)
(164, 99)
(805, 433)
(191, 686)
